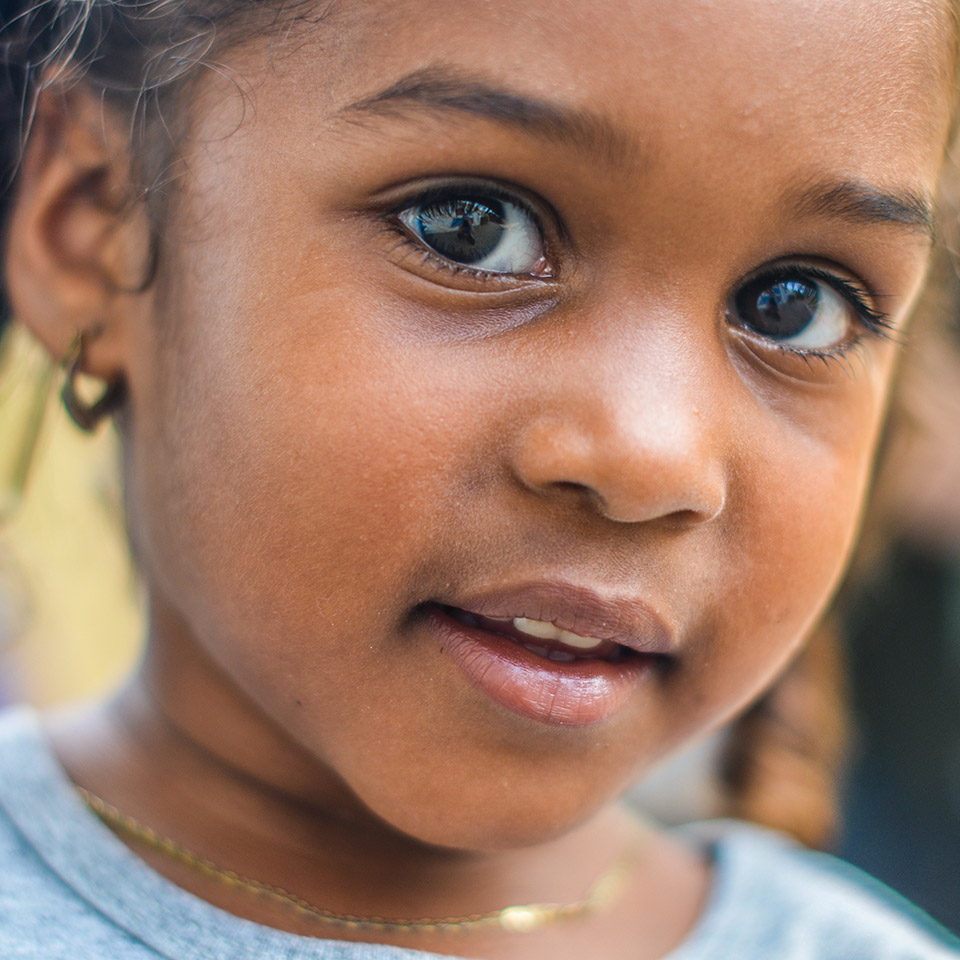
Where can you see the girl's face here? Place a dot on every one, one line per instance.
(578, 313)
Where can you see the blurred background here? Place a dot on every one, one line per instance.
(69, 608)
(856, 750)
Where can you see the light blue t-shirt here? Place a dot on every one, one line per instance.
(70, 890)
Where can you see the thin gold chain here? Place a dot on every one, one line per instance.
(521, 918)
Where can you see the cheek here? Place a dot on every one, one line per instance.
(791, 525)
(274, 465)
(290, 476)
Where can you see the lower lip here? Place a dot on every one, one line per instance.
(575, 694)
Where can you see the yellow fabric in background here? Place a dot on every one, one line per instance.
(70, 619)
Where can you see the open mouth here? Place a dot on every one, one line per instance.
(545, 672)
(543, 638)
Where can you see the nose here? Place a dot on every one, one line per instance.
(634, 444)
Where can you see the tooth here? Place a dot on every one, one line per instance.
(537, 628)
(564, 656)
(539, 651)
(499, 619)
(575, 640)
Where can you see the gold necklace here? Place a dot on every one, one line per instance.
(521, 918)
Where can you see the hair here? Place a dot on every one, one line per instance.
(140, 57)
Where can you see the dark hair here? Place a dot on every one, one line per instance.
(137, 55)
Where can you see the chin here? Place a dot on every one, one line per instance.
(488, 819)
(490, 835)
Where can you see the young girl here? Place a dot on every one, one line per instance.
(498, 387)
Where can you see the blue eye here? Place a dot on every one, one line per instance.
(482, 233)
(801, 308)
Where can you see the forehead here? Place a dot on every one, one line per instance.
(740, 38)
(733, 71)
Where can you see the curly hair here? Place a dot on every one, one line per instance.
(138, 56)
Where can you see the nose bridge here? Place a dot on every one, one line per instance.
(634, 421)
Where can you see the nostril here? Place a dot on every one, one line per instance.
(584, 493)
(580, 489)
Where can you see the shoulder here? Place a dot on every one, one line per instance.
(71, 890)
(774, 898)
(42, 916)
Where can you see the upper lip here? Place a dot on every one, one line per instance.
(628, 621)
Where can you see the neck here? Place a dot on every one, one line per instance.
(185, 752)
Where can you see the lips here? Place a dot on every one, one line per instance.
(555, 653)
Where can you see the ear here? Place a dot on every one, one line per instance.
(77, 248)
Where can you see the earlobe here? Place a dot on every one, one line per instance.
(76, 248)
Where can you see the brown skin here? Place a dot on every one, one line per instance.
(325, 431)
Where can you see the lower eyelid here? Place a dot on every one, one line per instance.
(803, 368)
(850, 350)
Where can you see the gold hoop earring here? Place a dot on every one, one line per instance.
(86, 415)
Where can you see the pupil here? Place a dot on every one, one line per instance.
(780, 310)
(465, 231)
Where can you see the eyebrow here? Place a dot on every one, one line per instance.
(441, 90)
(865, 204)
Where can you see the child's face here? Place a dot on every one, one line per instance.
(652, 418)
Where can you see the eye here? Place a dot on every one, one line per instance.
(807, 309)
(478, 232)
